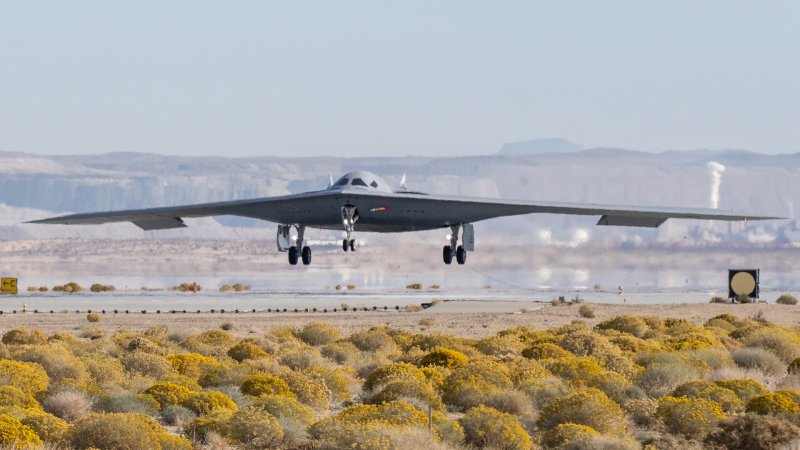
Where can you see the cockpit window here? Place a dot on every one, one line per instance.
(358, 182)
(342, 181)
(374, 184)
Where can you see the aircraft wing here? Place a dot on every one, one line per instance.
(282, 209)
(452, 210)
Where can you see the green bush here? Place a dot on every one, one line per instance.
(488, 427)
(753, 432)
(590, 407)
(692, 417)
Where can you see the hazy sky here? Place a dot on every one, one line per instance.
(299, 78)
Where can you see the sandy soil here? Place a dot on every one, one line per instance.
(466, 324)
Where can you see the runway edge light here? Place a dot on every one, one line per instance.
(743, 282)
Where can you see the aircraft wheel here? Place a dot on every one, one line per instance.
(345, 245)
(461, 255)
(306, 255)
(293, 255)
(447, 254)
(352, 245)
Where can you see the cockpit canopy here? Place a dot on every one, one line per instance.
(361, 180)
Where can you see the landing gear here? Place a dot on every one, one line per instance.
(459, 251)
(447, 254)
(461, 255)
(349, 219)
(298, 251)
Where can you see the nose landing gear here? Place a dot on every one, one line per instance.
(349, 219)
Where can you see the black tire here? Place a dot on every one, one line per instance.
(352, 245)
(447, 254)
(293, 256)
(306, 255)
(461, 255)
(345, 245)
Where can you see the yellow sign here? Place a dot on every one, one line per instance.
(9, 286)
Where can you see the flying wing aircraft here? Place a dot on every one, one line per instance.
(363, 198)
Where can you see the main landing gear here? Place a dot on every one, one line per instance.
(449, 251)
(349, 218)
(298, 251)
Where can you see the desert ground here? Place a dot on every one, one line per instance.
(450, 317)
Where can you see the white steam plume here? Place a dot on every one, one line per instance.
(715, 169)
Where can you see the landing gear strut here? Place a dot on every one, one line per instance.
(298, 251)
(454, 249)
(349, 219)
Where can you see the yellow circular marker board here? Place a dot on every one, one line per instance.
(743, 282)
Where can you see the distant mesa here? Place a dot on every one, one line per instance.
(539, 146)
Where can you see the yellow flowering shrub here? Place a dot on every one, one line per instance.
(545, 350)
(500, 345)
(725, 397)
(488, 427)
(387, 373)
(436, 375)
(744, 388)
(694, 340)
(692, 417)
(58, 361)
(337, 381)
(316, 333)
(215, 421)
(192, 365)
(204, 401)
(166, 393)
(28, 377)
(116, 431)
(48, 427)
(261, 384)
(474, 383)
(286, 408)
(15, 434)
(444, 357)
(590, 407)
(367, 426)
(182, 380)
(309, 389)
(773, 403)
(11, 396)
(246, 350)
(632, 325)
(104, 370)
(24, 336)
(567, 433)
(374, 340)
(255, 427)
